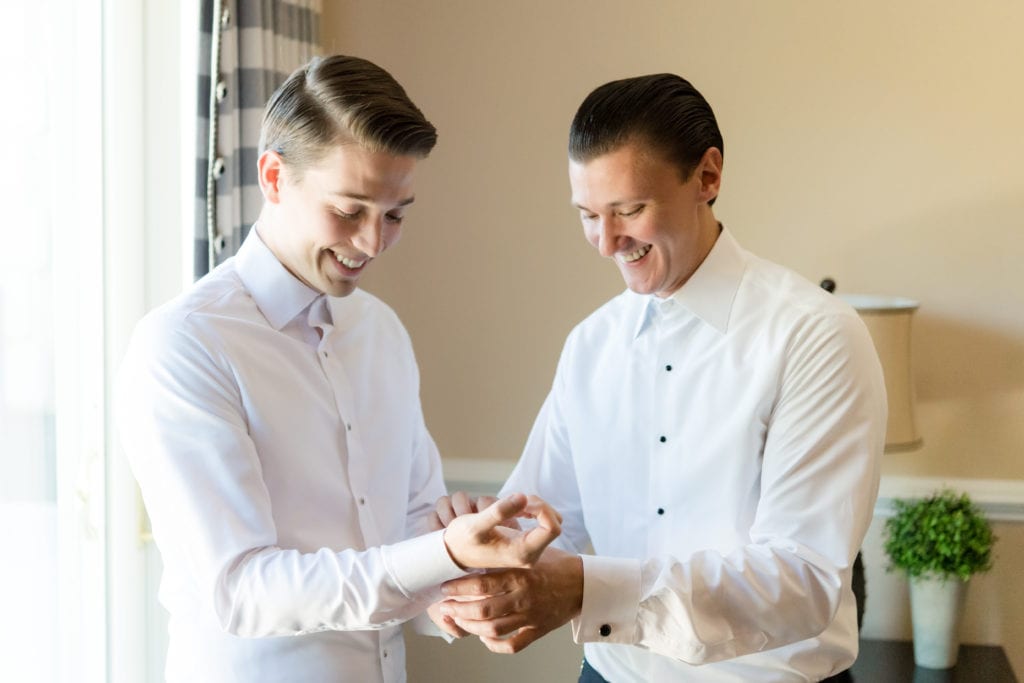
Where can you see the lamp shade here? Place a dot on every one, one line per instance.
(888, 320)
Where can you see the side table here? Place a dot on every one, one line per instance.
(892, 661)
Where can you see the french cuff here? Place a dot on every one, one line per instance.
(611, 600)
(425, 626)
(420, 565)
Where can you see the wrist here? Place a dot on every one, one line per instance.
(569, 570)
(451, 553)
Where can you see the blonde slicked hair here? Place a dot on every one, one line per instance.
(342, 100)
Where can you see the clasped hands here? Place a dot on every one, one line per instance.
(528, 589)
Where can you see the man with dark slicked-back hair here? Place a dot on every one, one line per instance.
(712, 436)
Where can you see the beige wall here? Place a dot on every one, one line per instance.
(878, 143)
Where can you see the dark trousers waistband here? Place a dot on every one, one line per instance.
(588, 674)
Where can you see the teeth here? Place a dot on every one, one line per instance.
(633, 256)
(350, 263)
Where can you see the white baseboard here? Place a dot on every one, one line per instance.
(1001, 500)
(476, 476)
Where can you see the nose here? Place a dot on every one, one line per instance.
(369, 239)
(607, 239)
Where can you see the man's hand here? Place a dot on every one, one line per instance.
(479, 541)
(459, 503)
(516, 606)
(444, 622)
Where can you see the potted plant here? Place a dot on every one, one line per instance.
(939, 542)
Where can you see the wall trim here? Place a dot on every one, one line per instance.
(1002, 500)
(475, 475)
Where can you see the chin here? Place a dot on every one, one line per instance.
(640, 287)
(340, 290)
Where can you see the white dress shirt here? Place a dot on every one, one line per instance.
(282, 473)
(719, 451)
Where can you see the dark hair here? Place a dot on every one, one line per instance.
(663, 111)
(338, 99)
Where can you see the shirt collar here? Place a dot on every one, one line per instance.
(278, 294)
(710, 291)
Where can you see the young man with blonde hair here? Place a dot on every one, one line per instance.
(271, 415)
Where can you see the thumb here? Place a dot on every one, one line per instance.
(502, 510)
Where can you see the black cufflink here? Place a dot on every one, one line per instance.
(605, 630)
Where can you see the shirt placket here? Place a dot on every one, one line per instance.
(358, 473)
(664, 378)
(355, 456)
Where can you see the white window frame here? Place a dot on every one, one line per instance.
(150, 78)
(78, 347)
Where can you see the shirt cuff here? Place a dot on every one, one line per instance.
(420, 565)
(423, 625)
(611, 600)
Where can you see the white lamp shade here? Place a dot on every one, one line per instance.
(888, 320)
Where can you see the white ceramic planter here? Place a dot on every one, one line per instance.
(935, 608)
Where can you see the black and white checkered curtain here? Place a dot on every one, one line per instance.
(251, 46)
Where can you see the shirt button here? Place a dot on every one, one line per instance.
(668, 368)
(662, 439)
(385, 654)
(362, 501)
(348, 426)
(661, 511)
(605, 630)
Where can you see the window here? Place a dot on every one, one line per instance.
(52, 492)
(95, 177)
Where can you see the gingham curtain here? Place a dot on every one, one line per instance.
(251, 46)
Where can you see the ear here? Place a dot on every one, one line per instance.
(710, 170)
(270, 167)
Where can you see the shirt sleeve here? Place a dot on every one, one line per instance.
(546, 469)
(184, 430)
(820, 472)
(426, 479)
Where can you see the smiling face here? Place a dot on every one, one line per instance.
(638, 210)
(327, 224)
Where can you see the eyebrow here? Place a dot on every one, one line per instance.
(613, 205)
(369, 200)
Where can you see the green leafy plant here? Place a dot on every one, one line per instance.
(943, 535)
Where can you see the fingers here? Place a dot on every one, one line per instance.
(484, 502)
(463, 504)
(484, 609)
(532, 543)
(501, 510)
(444, 511)
(448, 625)
(434, 522)
(499, 627)
(513, 644)
(483, 585)
(549, 526)
(538, 508)
(445, 622)
(459, 503)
